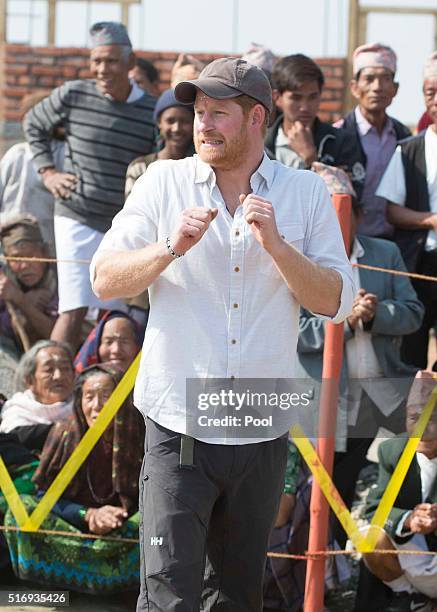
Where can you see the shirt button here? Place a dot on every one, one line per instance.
(236, 269)
(235, 305)
(233, 342)
(237, 232)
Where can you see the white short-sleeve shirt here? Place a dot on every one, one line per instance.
(223, 310)
(393, 187)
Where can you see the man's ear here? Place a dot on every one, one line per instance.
(396, 88)
(30, 383)
(131, 61)
(258, 114)
(353, 85)
(277, 99)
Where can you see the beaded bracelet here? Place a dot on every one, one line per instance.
(170, 249)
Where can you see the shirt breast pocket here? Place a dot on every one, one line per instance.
(293, 234)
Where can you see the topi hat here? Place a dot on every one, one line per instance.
(374, 55)
(109, 33)
(430, 68)
(18, 228)
(260, 56)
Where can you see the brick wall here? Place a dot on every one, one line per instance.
(27, 69)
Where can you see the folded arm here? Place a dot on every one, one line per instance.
(406, 218)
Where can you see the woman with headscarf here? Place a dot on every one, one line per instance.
(116, 339)
(101, 497)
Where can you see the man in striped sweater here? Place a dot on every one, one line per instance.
(108, 123)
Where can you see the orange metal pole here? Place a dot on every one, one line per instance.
(319, 508)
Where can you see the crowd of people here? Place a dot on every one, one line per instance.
(87, 143)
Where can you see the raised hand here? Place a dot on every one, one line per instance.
(9, 290)
(193, 224)
(260, 215)
(300, 139)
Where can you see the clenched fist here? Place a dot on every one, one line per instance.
(192, 225)
(300, 140)
(260, 215)
(423, 519)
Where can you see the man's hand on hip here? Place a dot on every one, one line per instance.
(60, 184)
(260, 215)
(192, 225)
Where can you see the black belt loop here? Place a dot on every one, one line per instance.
(186, 456)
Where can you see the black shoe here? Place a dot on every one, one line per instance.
(409, 602)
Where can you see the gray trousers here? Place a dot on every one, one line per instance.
(204, 532)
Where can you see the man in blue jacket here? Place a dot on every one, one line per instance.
(374, 381)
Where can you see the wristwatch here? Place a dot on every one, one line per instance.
(42, 170)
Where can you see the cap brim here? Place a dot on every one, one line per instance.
(186, 91)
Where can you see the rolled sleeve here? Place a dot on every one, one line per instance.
(403, 534)
(346, 300)
(324, 245)
(392, 186)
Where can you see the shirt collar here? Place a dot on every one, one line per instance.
(364, 126)
(135, 93)
(424, 461)
(357, 250)
(265, 171)
(281, 138)
(202, 171)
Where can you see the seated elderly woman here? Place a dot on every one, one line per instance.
(116, 339)
(28, 290)
(102, 497)
(45, 379)
(412, 522)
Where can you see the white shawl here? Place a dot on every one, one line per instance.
(23, 409)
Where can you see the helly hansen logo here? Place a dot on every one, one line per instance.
(155, 541)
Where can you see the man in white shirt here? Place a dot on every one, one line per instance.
(257, 240)
(410, 186)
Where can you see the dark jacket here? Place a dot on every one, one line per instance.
(412, 241)
(350, 125)
(399, 312)
(410, 494)
(334, 147)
